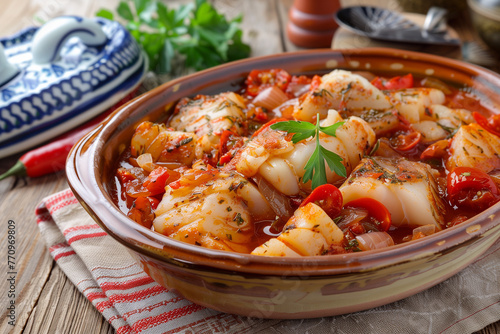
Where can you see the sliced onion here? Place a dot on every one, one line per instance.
(298, 89)
(374, 240)
(286, 109)
(270, 98)
(145, 161)
(351, 215)
(278, 202)
(425, 230)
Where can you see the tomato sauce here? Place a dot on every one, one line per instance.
(133, 182)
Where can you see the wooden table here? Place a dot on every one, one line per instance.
(47, 302)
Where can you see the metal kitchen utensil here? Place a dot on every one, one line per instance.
(383, 24)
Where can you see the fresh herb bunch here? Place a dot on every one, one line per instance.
(315, 167)
(196, 30)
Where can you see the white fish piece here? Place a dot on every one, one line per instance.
(281, 163)
(282, 174)
(440, 122)
(341, 90)
(412, 102)
(357, 137)
(208, 117)
(261, 148)
(473, 146)
(310, 231)
(380, 120)
(408, 190)
(210, 114)
(212, 208)
(449, 117)
(275, 247)
(332, 117)
(164, 145)
(431, 131)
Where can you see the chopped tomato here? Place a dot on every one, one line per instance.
(260, 115)
(406, 141)
(437, 150)
(298, 86)
(315, 82)
(157, 180)
(490, 124)
(375, 209)
(136, 189)
(399, 82)
(258, 80)
(472, 188)
(154, 202)
(125, 175)
(328, 197)
(229, 144)
(142, 212)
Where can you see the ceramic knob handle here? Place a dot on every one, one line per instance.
(7, 70)
(52, 36)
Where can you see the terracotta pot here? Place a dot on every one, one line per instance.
(311, 23)
(276, 287)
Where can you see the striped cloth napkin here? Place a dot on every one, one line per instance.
(105, 273)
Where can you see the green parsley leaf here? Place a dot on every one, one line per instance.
(105, 14)
(196, 32)
(301, 130)
(124, 11)
(330, 130)
(315, 169)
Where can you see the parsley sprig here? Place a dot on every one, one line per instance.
(199, 33)
(315, 166)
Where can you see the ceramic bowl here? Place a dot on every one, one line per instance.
(272, 287)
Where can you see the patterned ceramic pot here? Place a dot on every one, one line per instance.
(58, 76)
(271, 287)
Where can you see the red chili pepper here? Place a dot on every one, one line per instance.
(51, 157)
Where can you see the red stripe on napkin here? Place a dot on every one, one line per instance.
(130, 300)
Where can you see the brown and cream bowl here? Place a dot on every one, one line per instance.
(276, 287)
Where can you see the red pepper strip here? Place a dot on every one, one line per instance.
(375, 209)
(51, 157)
(328, 197)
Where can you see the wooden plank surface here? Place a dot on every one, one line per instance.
(47, 302)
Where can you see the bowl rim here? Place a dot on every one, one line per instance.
(81, 173)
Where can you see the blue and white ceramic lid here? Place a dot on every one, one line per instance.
(62, 74)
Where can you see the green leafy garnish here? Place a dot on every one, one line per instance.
(199, 33)
(315, 166)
